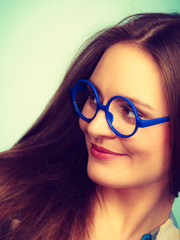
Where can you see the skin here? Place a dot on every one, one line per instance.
(134, 179)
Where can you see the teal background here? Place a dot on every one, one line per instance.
(38, 39)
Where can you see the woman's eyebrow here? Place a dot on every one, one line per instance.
(133, 100)
(139, 102)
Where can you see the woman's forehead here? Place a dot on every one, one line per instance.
(128, 70)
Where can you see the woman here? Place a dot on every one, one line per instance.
(112, 170)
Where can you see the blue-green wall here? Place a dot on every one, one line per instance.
(37, 40)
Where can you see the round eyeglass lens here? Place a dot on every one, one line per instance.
(124, 120)
(86, 100)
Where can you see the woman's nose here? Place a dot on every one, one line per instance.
(99, 127)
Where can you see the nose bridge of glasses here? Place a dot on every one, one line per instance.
(99, 123)
(108, 115)
(100, 106)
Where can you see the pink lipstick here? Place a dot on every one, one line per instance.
(103, 153)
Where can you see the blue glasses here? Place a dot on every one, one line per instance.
(121, 114)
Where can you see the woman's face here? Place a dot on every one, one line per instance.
(142, 159)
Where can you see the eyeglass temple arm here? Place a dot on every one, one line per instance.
(146, 123)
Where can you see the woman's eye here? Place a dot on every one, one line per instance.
(92, 98)
(128, 112)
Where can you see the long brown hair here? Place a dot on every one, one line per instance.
(43, 179)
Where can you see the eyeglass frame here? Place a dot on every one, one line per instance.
(109, 116)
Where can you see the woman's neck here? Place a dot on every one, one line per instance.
(130, 213)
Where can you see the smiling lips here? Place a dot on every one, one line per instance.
(103, 153)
